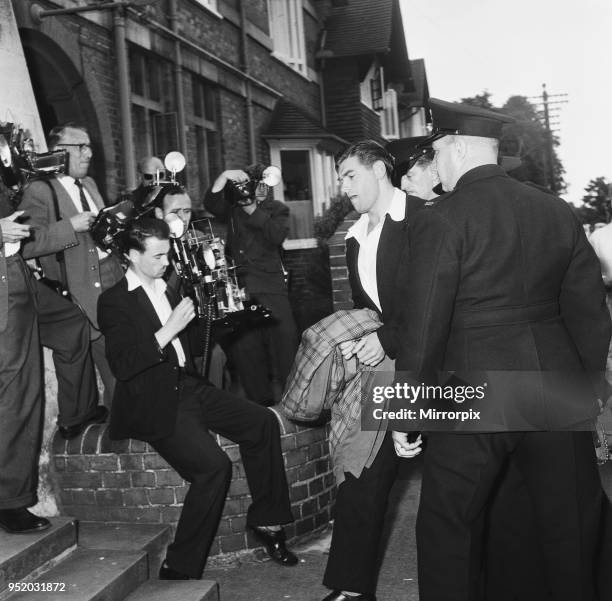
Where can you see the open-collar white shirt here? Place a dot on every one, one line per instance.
(160, 302)
(368, 243)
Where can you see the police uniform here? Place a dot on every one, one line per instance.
(502, 278)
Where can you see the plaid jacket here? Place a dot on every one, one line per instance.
(321, 379)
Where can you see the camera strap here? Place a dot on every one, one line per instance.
(59, 256)
(62, 289)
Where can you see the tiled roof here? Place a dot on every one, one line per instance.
(420, 96)
(368, 27)
(289, 121)
(359, 27)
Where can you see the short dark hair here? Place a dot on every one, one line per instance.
(168, 190)
(142, 229)
(368, 152)
(56, 134)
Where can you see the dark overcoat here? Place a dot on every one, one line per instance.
(502, 277)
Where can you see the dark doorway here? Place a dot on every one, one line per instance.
(61, 94)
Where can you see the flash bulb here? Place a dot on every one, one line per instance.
(271, 176)
(174, 162)
(177, 227)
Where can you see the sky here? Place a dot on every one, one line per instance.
(512, 48)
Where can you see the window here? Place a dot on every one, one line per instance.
(154, 120)
(203, 120)
(308, 186)
(287, 32)
(389, 117)
(372, 87)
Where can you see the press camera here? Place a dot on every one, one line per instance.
(19, 163)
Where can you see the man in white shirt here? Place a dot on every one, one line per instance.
(373, 246)
(159, 399)
(60, 210)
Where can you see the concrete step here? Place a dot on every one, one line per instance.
(151, 538)
(89, 575)
(176, 590)
(22, 554)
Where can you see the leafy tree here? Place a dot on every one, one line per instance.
(596, 202)
(527, 139)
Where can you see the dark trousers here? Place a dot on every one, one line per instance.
(21, 392)
(65, 330)
(194, 453)
(359, 514)
(110, 273)
(460, 474)
(264, 352)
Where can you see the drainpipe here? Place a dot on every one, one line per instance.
(129, 163)
(247, 84)
(178, 80)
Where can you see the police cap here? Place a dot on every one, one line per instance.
(453, 118)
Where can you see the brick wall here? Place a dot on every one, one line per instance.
(97, 479)
(310, 285)
(341, 289)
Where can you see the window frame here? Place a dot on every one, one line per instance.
(293, 54)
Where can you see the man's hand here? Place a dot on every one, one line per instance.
(405, 449)
(347, 349)
(13, 231)
(182, 314)
(236, 175)
(82, 221)
(369, 350)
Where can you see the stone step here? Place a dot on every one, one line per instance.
(22, 554)
(176, 590)
(151, 538)
(89, 575)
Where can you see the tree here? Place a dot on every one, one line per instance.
(527, 138)
(596, 202)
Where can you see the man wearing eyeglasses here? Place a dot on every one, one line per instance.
(60, 210)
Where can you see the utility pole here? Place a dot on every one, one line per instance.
(548, 107)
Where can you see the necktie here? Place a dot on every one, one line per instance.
(83, 198)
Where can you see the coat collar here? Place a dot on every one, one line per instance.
(478, 173)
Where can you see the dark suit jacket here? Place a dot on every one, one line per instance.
(393, 241)
(254, 241)
(146, 394)
(50, 236)
(502, 277)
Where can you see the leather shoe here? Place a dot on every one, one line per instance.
(22, 521)
(167, 573)
(97, 417)
(274, 541)
(340, 596)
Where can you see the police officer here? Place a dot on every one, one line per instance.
(502, 278)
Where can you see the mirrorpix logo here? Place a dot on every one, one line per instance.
(423, 394)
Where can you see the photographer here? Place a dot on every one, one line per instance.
(257, 227)
(61, 210)
(21, 393)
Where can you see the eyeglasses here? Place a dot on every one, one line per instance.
(82, 147)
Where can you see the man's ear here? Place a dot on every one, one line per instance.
(380, 171)
(460, 147)
(159, 213)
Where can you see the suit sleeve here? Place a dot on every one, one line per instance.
(272, 221)
(129, 353)
(215, 203)
(583, 307)
(432, 275)
(48, 235)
